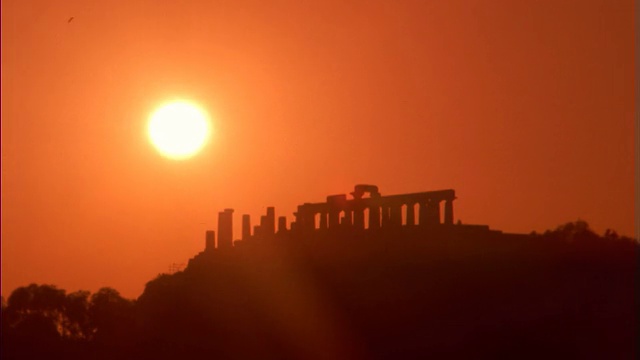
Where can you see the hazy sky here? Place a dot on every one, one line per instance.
(525, 108)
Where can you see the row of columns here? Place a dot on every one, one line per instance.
(385, 215)
(379, 216)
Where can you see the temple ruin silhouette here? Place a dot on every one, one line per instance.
(366, 214)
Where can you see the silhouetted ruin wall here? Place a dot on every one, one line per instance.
(372, 216)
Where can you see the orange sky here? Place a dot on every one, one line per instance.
(526, 109)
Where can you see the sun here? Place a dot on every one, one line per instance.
(179, 129)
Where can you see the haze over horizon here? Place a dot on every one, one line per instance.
(525, 109)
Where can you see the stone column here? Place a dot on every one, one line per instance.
(348, 220)
(448, 212)
(374, 217)
(246, 226)
(297, 222)
(310, 221)
(270, 227)
(210, 241)
(334, 218)
(411, 215)
(423, 214)
(305, 221)
(358, 218)
(282, 224)
(225, 229)
(323, 220)
(395, 215)
(386, 217)
(434, 212)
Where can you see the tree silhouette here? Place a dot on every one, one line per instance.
(111, 316)
(77, 322)
(36, 304)
(34, 317)
(578, 230)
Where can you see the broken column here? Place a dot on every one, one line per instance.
(225, 229)
(282, 224)
(210, 241)
(246, 226)
(271, 220)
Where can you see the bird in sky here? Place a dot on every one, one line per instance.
(70, 19)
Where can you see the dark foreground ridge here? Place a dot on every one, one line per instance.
(376, 277)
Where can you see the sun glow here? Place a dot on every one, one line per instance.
(179, 129)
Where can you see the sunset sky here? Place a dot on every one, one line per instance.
(525, 108)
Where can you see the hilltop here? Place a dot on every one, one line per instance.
(328, 288)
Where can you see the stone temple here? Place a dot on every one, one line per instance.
(366, 213)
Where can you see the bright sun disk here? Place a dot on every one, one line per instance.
(179, 129)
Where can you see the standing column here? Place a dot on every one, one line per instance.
(395, 215)
(423, 214)
(282, 224)
(448, 212)
(374, 217)
(305, 219)
(334, 219)
(271, 220)
(246, 226)
(310, 221)
(358, 218)
(210, 241)
(323, 220)
(411, 215)
(385, 216)
(298, 222)
(434, 212)
(225, 229)
(348, 220)
(301, 221)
